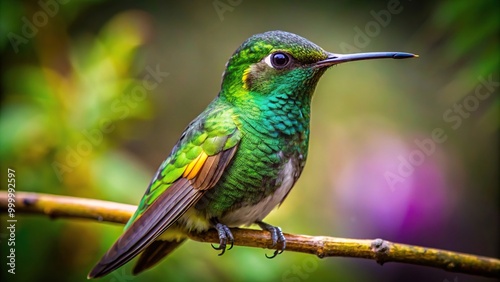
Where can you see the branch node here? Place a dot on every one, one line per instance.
(320, 248)
(380, 248)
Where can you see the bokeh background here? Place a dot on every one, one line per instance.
(77, 120)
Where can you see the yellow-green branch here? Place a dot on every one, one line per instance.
(379, 250)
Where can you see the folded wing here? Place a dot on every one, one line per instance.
(195, 165)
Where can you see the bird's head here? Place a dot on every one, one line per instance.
(282, 63)
(272, 61)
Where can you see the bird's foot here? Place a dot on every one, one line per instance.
(225, 236)
(276, 237)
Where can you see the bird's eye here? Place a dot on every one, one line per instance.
(278, 60)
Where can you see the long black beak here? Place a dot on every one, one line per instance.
(334, 59)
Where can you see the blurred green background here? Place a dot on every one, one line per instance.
(77, 120)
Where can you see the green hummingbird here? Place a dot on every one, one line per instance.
(239, 158)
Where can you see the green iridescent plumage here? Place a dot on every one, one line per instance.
(239, 158)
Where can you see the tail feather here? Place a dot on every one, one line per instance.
(154, 253)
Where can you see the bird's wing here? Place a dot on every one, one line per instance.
(195, 165)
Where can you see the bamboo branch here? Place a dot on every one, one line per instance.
(381, 251)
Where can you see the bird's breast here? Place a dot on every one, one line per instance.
(250, 213)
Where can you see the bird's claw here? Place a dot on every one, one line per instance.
(276, 237)
(225, 235)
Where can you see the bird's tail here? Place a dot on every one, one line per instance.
(154, 253)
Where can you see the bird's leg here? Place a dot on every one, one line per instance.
(225, 235)
(276, 237)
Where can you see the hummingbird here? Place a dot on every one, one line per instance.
(239, 159)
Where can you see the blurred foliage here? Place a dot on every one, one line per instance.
(472, 39)
(64, 115)
(77, 119)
